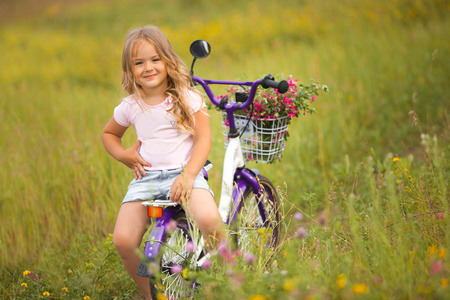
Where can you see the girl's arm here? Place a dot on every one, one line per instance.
(182, 186)
(112, 141)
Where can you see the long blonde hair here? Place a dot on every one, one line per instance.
(178, 79)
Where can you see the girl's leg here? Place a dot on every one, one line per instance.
(131, 225)
(203, 210)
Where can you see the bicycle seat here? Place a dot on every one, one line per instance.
(160, 203)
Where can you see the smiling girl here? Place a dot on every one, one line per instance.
(174, 140)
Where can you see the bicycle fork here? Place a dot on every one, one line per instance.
(236, 180)
(246, 179)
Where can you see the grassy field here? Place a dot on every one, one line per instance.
(369, 172)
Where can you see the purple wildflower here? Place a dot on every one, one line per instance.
(298, 216)
(301, 233)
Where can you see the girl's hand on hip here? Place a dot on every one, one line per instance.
(181, 188)
(131, 158)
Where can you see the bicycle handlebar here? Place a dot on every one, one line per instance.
(201, 49)
(282, 86)
(266, 82)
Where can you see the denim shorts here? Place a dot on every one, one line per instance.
(155, 185)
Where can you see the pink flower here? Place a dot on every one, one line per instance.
(313, 98)
(440, 216)
(190, 246)
(176, 269)
(171, 226)
(437, 267)
(224, 249)
(29, 273)
(206, 264)
(249, 258)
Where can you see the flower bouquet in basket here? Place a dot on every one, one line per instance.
(265, 123)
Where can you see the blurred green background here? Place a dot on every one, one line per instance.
(386, 64)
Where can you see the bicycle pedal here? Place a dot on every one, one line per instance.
(143, 271)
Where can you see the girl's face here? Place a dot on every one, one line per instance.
(149, 70)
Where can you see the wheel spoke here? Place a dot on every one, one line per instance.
(175, 286)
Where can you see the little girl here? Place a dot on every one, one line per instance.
(174, 140)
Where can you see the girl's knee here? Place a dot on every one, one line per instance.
(210, 224)
(118, 241)
(123, 244)
(213, 230)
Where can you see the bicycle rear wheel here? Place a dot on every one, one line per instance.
(173, 282)
(249, 227)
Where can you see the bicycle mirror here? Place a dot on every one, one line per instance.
(200, 49)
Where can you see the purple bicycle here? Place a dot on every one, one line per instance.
(249, 202)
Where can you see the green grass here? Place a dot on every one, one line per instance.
(386, 64)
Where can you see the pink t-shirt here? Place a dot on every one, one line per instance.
(163, 146)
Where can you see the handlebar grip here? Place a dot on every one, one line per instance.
(282, 86)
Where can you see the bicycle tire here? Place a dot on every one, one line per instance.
(246, 227)
(175, 285)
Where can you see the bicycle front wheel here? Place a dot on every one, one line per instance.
(177, 262)
(250, 227)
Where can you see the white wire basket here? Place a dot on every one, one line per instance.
(262, 140)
